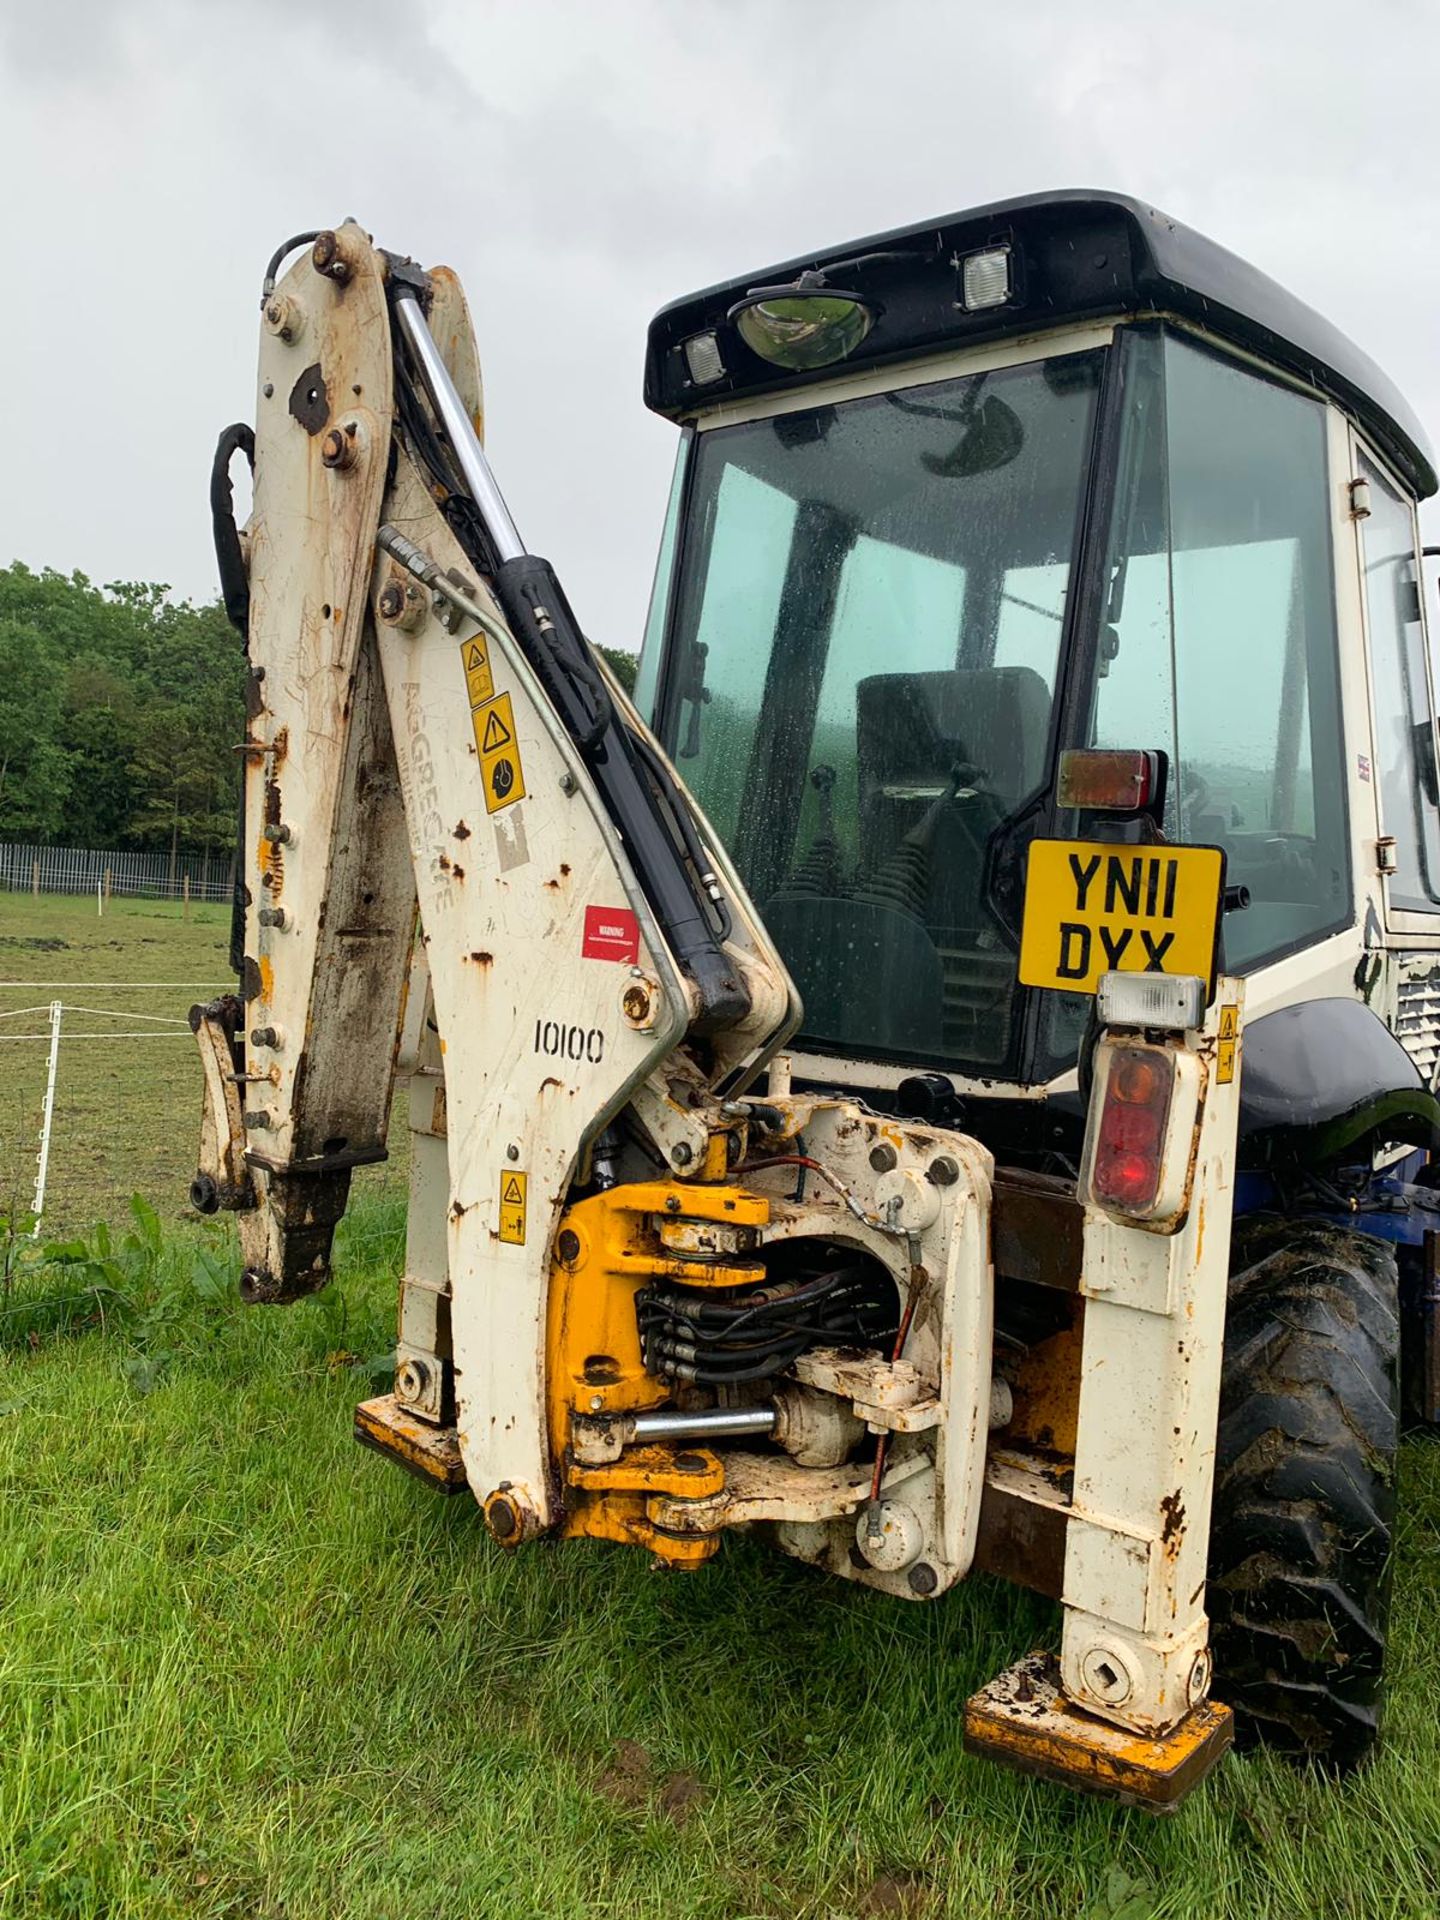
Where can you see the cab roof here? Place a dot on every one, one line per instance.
(1076, 256)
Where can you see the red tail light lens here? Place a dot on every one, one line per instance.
(1130, 1144)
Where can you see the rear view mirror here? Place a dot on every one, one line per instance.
(992, 439)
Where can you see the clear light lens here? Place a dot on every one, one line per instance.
(1173, 1002)
(985, 279)
(804, 330)
(702, 357)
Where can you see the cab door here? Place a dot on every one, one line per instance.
(1401, 698)
(1402, 702)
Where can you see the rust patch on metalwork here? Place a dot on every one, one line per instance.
(431, 1453)
(1173, 1530)
(460, 830)
(1024, 1719)
(310, 400)
(481, 958)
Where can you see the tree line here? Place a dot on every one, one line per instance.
(120, 712)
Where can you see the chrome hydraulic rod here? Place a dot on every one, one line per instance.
(721, 1423)
(636, 791)
(459, 429)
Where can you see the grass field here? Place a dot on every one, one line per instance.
(127, 1104)
(248, 1670)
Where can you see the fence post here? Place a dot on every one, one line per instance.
(35, 878)
(109, 883)
(42, 1168)
(185, 910)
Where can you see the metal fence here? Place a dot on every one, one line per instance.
(68, 1152)
(150, 876)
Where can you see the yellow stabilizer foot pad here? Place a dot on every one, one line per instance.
(1023, 1719)
(431, 1453)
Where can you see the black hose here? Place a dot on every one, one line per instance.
(234, 578)
(272, 272)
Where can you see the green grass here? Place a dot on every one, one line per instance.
(247, 1669)
(127, 1111)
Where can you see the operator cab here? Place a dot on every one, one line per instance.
(1055, 473)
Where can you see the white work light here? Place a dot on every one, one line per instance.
(702, 357)
(1173, 1002)
(985, 279)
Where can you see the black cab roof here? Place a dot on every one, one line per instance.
(1076, 256)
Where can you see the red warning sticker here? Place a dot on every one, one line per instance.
(611, 933)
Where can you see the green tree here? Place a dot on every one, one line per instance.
(121, 711)
(34, 768)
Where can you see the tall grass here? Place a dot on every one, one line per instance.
(248, 1669)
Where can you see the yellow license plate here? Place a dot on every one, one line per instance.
(1093, 907)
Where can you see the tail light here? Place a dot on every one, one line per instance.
(1130, 1144)
(1118, 780)
(1141, 1132)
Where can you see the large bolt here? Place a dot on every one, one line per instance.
(502, 1519)
(412, 1382)
(637, 1003)
(923, 1579)
(260, 1121)
(278, 836)
(1198, 1684)
(510, 1517)
(274, 917)
(284, 317)
(681, 1154)
(402, 604)
(337, 449)
(266, 1037)
(328, 259)
(204, 1194)
(883, 1157)
(1106, 1675)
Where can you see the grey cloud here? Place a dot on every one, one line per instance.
(579, 164)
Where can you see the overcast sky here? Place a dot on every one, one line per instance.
(580, 164)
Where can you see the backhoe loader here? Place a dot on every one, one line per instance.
(941, 1073)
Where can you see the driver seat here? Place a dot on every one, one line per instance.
(911, 730)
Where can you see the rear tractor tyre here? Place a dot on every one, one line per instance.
(1299, 1592)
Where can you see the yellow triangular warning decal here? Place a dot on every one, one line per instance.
(510, 1193)
(497, 734)
(474, 658)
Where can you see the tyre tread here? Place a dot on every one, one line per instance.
(1304, 1506)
